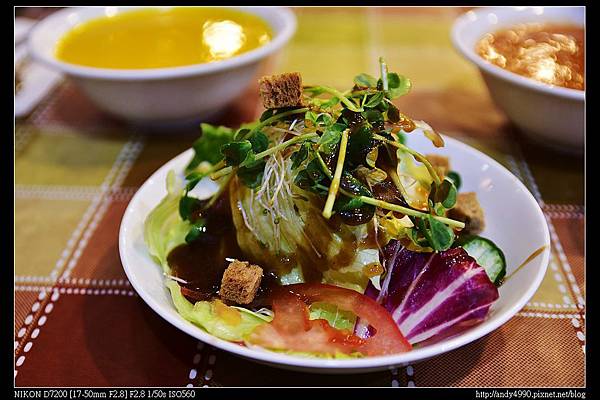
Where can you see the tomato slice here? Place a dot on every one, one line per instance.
(291, 328)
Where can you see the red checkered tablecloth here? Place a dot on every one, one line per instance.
(78, 322)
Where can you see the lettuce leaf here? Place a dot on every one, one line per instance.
(430, 133)
(339, 319)
(414, 179)
(164, 229)
(206, 315)
(292, 226)
(353, 276)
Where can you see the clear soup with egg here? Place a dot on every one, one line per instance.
(549, 53)
(163, 37)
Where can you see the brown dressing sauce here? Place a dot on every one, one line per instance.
(388, 192)
(524, 263)
(373, 269)
(201, 263)
(549, 53)
(371, 240)
(312, 256)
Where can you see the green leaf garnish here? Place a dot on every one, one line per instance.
(455, 178)
(397, 85)
(312, 178)
(439, 236)
(193, 179)
(236, 152)
(266, 115)
(206, 148)
(374, 116)
(345, 203)
(331, 137)
(365, 80)
(450, 199)
(299, 156)
(444, 194)
(360, 144)
(252, 175)
(197, 229)
(318, 119)
(352, 185)
(393, 114)
(439, 209)
(374, 100)
(187, 205)
(393, 80)
(259, 141)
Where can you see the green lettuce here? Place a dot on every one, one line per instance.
(339, 319)
(414, 180)
(271, 223)
(164, 229)
(204, 315)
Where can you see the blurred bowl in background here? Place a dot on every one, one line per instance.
(160, 96)
(550, 115)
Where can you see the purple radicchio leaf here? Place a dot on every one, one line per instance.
(431, 295)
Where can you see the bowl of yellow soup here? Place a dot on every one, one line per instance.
(161, 65)
(532, 59)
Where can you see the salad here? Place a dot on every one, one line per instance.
(324, 234)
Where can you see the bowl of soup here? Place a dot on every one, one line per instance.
(161, 65)
(532, 60)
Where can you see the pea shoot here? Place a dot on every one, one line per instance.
(341, 151)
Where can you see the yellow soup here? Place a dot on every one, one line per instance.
(159, 38)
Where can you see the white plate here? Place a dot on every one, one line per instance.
(514, 222)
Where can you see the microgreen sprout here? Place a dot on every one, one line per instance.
(343, 152)
(337, 175)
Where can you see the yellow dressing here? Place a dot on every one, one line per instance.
(230, 315)
(164, 37)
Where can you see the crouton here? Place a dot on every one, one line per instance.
(441, 164)
(240, 282)
(468, 210)
(277, 91)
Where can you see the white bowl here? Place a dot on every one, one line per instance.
(161, 95)
(514, 222)
(550, 115)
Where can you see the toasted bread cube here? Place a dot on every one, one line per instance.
(240, 282)
(469, 211)
(277, 91)
(441, 164)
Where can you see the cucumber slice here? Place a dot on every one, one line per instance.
(487, 254)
